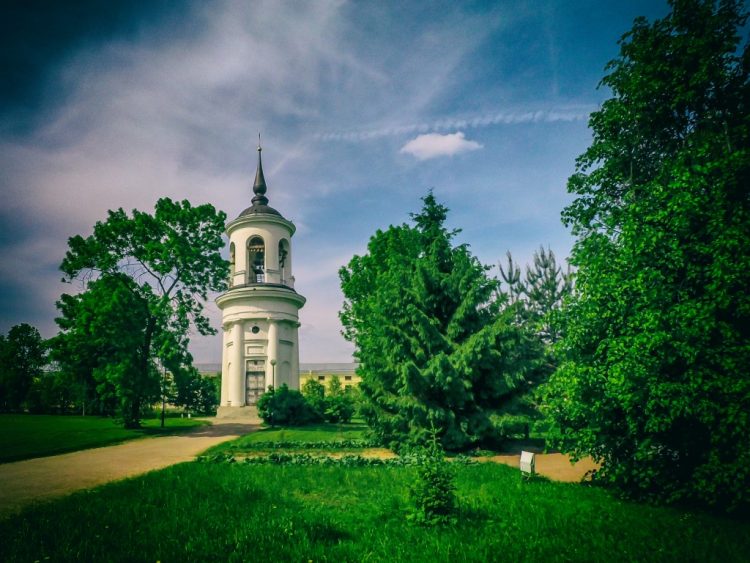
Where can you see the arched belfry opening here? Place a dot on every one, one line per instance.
(256, 259)
(285, 262)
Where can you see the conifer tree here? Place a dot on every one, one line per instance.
(433, 344)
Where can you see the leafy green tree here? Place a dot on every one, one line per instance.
(195, 392)
(23, 355)
(339, 406)
(315, 395)
(654, 379)
(432, 343)
(163, 266)
(102, 330)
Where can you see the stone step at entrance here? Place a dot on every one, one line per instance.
(245, 414)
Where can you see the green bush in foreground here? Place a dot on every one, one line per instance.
(433, 492)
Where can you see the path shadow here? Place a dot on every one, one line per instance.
(514, 447)
(223, 429)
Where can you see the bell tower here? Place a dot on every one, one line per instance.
(260, 309)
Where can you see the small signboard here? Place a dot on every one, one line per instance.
(528, 463)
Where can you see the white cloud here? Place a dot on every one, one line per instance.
(564, 114)
(433, 145)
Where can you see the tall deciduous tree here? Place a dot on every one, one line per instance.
(433, 347)
(146, 277)
(654, 384)
(22, 356)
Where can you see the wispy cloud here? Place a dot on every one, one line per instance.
(433, 145)
(453, 123)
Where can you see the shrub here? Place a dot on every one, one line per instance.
(339, 405)
(433, 492)
(314, 394)
(285, 406)
(333, 404)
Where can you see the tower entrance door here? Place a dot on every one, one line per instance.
(255, 378)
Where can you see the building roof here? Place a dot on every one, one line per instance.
(260, 201)
(349, 367)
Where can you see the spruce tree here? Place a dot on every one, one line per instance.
(430, 336)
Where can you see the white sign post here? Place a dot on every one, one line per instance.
(528, 464)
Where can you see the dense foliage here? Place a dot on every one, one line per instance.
(333, 404)
(536, 300)
(654, 382)
(23, 354)
(431, 340)
(145, 278)
(285, 406)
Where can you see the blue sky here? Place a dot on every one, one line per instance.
(363, 106)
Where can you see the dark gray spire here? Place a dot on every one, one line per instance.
(260, 201)
(259, 187)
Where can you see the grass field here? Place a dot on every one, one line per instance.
(239, 512)
(310, 433)
(24, 436)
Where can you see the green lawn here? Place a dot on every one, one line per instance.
(311, 433)
(240, 512)
(23, 436)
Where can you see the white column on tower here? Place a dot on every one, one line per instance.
(273, 351)
(224, 371)
(295, 358)
(237, 372)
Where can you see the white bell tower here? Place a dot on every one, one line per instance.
(260, 310)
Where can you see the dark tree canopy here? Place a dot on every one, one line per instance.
(145, 279)
(654, 383)
(23, 354)
(433, 347)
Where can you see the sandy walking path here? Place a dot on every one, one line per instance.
(556, 466)
(24, 482)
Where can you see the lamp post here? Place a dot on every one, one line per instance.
(273, 372)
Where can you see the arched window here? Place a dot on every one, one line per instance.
(256, 257)
(232, 268)
(285, 265)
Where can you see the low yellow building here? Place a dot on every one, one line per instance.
(323, 373)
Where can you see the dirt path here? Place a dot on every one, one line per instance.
(23, 482)
(555, 466)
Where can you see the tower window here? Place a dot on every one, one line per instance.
(284, 261)
(255, 330)
(256, 256)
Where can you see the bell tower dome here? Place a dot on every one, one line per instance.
(260, 309)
